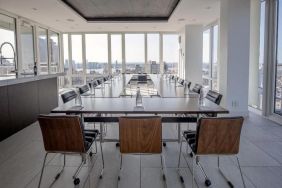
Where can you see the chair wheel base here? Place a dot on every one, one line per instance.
(191, 155)
(164, 144)
(117, 144)
(181, 179)
(76, 181)
(207, 182)
(230, 184)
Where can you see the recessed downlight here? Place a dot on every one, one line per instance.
(70, 20)
(208, 8)
(35, 9)
(181, 19)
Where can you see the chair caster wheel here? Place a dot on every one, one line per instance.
(181, 179)
(90, 154)
(117, 144)
(230, 184)
(207, 182)
(118, 178)
(164, 144)
(164, 178)
(100, 177)
(191, 155)
(76, 181)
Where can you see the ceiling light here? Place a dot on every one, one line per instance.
(70, 20)
(35, 9)
(181, 19)
(208, 7)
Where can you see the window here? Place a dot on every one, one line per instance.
(27, 49)
(153, 53)
(7, 34)
(206, 58)
(278, 75)
(66, 52)
(116, 52)
(170, 53)
(214, 64)
(76, 49)
(96, 46)
(54, 52)
(134, 53)
(43, 50)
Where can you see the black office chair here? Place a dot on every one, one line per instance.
(68, 96)
(215, 136)
(214, 97)
(188, 84)
(197, 88)
(83, 89)
(65, 135)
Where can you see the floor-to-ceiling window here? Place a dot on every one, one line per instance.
(43, 50)
(77, 62)
(27, 48)
(116, 53)
(278, 71)
(153, 53)
(96, 48)
(54, 52)
(170, 53)
(135, 53)
(210, 58)
(206, 68)
(7, 34)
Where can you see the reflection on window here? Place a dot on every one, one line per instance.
(214, 59)
(27, 49)
(134, 53)
(66, 52)
(77, 80)
(116, 52)
(206, 58)
(7, 34)
(54, 52)
(153, 53)
(278, 88)
(170, 53)
(76, 48)
(96, 54)
(43, 50)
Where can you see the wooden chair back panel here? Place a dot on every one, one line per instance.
(140, 135)
(62, 133)
(219, 136)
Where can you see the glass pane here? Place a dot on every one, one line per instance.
(153, 53)
(116, 51)
(76, 48)
(43, 50)
(278, 88)
(170, 53)
(7, 34)
(96, 54)
(27, 48)
(134, 53)
(77, 81)
(54, 52)
(206, 58)
(66, 52)
(214, 61)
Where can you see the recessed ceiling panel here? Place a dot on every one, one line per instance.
(123, 10)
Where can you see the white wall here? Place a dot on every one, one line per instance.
(192, 49)
(234, 55)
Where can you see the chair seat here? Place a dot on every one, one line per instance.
(91, 132)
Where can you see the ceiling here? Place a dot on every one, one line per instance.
(123, 10)
(57, 15)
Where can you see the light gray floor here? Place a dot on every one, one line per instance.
(21, 158)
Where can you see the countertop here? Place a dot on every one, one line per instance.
(6, 81)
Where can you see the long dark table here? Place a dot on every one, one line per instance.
(171, 109)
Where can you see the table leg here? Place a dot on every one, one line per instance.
(179, 132)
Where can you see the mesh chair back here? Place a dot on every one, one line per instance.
(197, 88)
(214, 97)
(68, 96)
(83, 89)
(220, 136)
(140, 134)
(62, 133)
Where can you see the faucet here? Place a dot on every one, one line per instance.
(14, 58)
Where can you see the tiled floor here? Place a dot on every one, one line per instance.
(21, 158)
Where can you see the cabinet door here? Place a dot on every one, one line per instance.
(6, 128)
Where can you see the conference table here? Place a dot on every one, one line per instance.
(108, 106)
